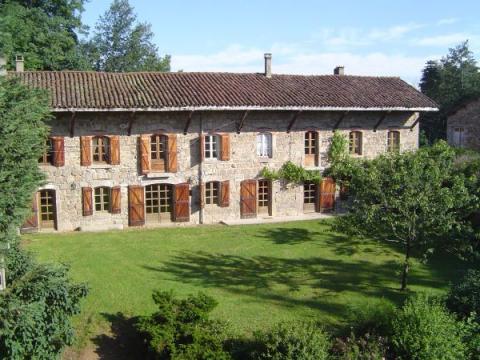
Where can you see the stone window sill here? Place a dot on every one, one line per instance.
(158, 175)
(99, 166)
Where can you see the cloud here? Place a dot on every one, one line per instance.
(443, 40)
(447, 21)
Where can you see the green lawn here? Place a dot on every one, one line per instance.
(259, 274)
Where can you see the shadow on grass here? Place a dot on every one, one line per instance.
(289, 236)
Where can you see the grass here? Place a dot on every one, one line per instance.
(259, 274)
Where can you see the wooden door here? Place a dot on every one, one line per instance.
(327, 195)
(31, 224)
(136, 205)
(181, 205)
(248, 199)
(48, 211)
(264, 197)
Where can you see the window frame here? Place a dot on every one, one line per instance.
(102, 200)
(264, 145)
(355, 142)
(211, 146)
(159, 148)
(163, 195)
(47, 156)
(102, 143)
(393, 141)
(461, 137)
(47, 207)
(312, 192)
(310, 142)
(212, 193)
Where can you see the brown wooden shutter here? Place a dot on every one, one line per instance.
(225, 147)
(172, 153)
(317, 149)
(326, 195)
(87, 201)
(115, 200)
(248, 199)
(181, 204)
(136, 205)
(145, 154)
(114, 150)
(202, 147)
(202, 195)
(85, 150)
(225, 193)
(32, 222)
(58, 151)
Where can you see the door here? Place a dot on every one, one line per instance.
(136, 204)
(309, 196)
(31, 223)
(327, 195)
(158, 203)
(48, 212)
(264, 197)
(248, 199)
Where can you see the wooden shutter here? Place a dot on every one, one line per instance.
(87, 201)
(32, 222)
(136, 205)
(202, 147)
(326, 195)
(248, 199)
(58, 151)
(225, 193)
(85, 150)
(172, 153)
(114, 157)
(145, 154)
(202, 195)
(181, 203)
(225, 147)
(317, 149)
(115, 200)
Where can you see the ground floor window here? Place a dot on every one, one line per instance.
(309, 196)
(263, 196)
(211, 192)
(47, 208)
(102, 199)
(158, 202)
(459, 136)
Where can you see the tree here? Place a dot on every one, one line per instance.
(415, 199)
(120, 43)
(45, 32)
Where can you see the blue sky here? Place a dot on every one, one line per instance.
(368, 37)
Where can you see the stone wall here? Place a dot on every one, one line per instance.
(467, 118)
(243, 164)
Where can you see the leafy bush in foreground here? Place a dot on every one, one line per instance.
(464, 296)
(366, 347)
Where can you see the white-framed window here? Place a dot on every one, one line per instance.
(458, 136)
(264, 145)
(211, 146)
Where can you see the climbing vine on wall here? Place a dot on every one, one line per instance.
(291, 173)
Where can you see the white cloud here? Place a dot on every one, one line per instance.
(447, 21)
(443, 40)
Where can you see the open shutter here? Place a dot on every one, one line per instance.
(115, 200)
(58, 151)
(85, 150)
(31, 223)
(202, 195)
(87, 201)
(248, 199)
(136, 208)
(202, 147)
(225, 146)
(172, 153)
(145, 154)
(317, 149)
(114, 150)
(225, 193)
(326, 195)
(181, 205)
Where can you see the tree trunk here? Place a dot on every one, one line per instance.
(406, 266)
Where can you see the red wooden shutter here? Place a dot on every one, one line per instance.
(202, 147)
(32, 222)
(225, 147)
(136, 208)
(115, 200)
(172, 153)
(145, 154)
(85, 150)
(114, 150)
(327, 194)
(181, 204)
(87, 201)
(225, 193)
(58, 151)
(248, 199)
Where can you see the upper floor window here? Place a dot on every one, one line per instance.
(158, 152)
(47, 156)
(311, 142)
(458, 136)
(102, 199)
(212, 192)
(393, 141)
(211, 147)
(101, 148)
(355, 144)
(264, 145)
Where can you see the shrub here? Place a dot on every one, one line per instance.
(424, 330)
(18, 262)
(372, 318)
(366, 347)
(181, 329)
(464, 296)
(471, 338)
(293, 341)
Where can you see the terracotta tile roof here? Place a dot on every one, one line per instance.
(176, 91)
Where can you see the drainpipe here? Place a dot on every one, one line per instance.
(200, 167)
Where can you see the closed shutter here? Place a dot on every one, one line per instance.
(136, 205)
(85, 150)
(326, 195)
(87, 201)
(172, 153)
(202, 195)
(225, 147)
(58, 151)
(181, 204)
(145, 154)
(31, 223)
(317, 149)
(248, 199)
(115, 200)
(202, 147)
(225, 193)
(114, 150)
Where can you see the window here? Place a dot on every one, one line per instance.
(211, 146)
(101, 148)
(393, 141)
(309, 196)
(211, 192)
(264, 145)
(47, 208)
(310, 143)
(355, 145)
(459, 137)
(158, 152)
(47, 156)
(102, 199)
(158, 198)
(263, 197)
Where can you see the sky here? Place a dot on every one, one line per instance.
(368, 37)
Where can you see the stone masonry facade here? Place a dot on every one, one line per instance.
(463, 126)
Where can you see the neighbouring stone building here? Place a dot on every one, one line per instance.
(146, 149)
(463, 125)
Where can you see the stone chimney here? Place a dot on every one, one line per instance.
(339, 70)
(3, 65)
(19, 66)
(268, 65)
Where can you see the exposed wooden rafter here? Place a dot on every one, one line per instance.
(293, 121)
(380, 121)
(415, 123)
(242, 121)
(339, 121)
(72, 124)
(187, 124)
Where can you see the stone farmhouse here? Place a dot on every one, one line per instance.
(148, 149)
(463, 125)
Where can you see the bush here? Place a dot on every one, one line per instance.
(372, 318)
(423, 329)
(464, 296)
(293, 341)
(471, 338)
(181, 329)
(366, 347)
(18, 262)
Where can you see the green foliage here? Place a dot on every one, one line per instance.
(18, 261)
(35, 313)
(122, 44)
(181, 329)
(464, 296)
(343, 167)
(372, 318)
(291, 173)
(366, 347)
(424, 330)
